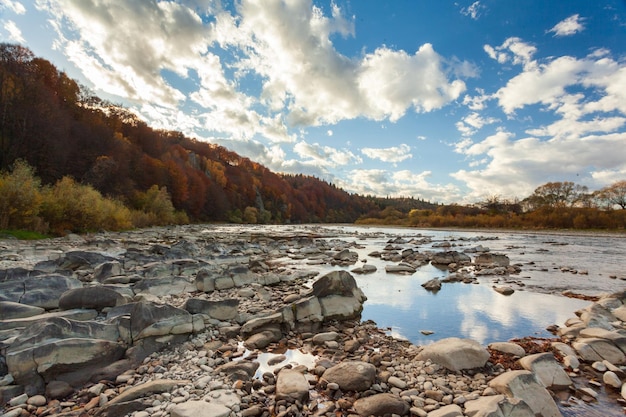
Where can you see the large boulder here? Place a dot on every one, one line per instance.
(62, 349)
(351, 375)
(524, 386)
(595, 349)
(455, 354)
(40, 291)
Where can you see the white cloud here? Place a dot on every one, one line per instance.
(473, 10)
(569, 26)
(398, 183)
(15, 34)
(12, 6)
(473, 122)
(329, 132)
(325, 155)
(513, 49)
(393, 154)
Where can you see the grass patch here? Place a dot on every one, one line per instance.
(22, 235)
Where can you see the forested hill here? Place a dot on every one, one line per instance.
(60, 129)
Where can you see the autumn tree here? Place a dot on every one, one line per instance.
(614, 194)
(556, 194)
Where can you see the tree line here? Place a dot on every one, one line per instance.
(554, 205)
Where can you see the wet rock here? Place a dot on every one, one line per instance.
(351, 375)
(504, 290)
(611, 379)
(243, 370)
(380, 405)
(497, 259)
(450, 257)
(455, 354)
(400, 269)
(432, 285)
(596, 349)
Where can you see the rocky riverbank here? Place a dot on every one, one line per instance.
(188, 322)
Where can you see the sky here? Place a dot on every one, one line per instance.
(447, 101)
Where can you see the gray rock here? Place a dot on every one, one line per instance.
(505, 290)
(351, 375)
(497, 259)
(78, 315)
(449, 257)
(243, 370)
(497, 406)
(508, 347)
(547, 370)
(611, 379)
(596, 349)
(12, 310)
(455, 354)
(150, 319)
(291, 385)
(524, 385)
(95, 298)
(224, 310)
(199, 409)
(39, 291)
(262, 339)
(145, 389)
(432, 285)
(400, 269)
(451, 410)
(380, 405)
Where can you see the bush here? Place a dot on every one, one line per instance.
(20, 198)
(79, 208)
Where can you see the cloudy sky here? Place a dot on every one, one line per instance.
(450, 101)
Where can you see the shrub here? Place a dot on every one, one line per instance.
(20, 198)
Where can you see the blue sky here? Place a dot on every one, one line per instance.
(450, 101)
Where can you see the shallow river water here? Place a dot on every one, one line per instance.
(551, 263)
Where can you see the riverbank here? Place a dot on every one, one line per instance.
(225, 356)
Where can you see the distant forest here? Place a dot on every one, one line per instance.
(70, 161)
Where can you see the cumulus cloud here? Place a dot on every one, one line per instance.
(325, 155)
(15, 34)
(569, 26)
(12, 6)
(393, 154)
(402, 183)
(258, 69)
(585, 99)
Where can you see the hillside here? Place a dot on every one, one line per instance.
(60, 129)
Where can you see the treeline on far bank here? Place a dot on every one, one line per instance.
(554, 205)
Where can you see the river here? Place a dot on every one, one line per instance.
(551, 263)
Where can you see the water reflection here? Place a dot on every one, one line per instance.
(461, 310)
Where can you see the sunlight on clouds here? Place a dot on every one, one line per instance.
(393, 154)
(569, 26)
